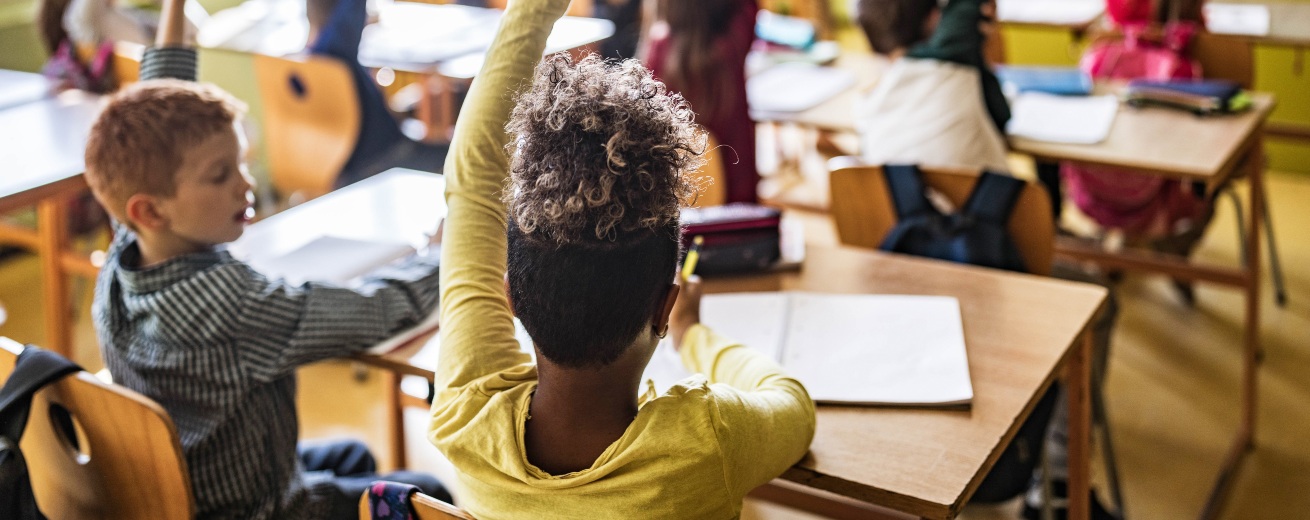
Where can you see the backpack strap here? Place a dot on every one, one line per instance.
(905, 183)
(993, 198)
(36, 367)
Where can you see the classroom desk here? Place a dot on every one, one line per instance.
(1210, 150)
(1073, 15)
(18, 88)
(43, 145)
(922, 462)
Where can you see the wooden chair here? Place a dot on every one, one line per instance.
(425, 508)
(1232, 58)
(311, 122)
(98, 450)
(863, 212)
(716, 177)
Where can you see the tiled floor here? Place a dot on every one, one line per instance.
(1172, 388)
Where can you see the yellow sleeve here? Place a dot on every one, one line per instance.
(476, 324)
(764, 419)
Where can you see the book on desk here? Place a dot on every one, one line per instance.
(343, 262)
(883, 350)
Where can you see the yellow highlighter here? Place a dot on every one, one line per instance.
(689, 263)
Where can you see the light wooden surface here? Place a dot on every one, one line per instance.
(128, 463)
(44, 143)
(1166, 142)
(43, 162)
(18, 88)
(311, 122)
(863, 211)
(424, 508)
(1289, 23)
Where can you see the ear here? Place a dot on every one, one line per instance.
(661, 318)
(144, 212)
(508, 298)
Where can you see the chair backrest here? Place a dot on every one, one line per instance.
(311, 122)
(1225, 57)
(863, 211)
(716, 187)
(424, 508)
(98, 450)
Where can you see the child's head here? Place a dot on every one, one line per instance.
(597, 177)
(165, 158)
(895, 25)
(317, 13)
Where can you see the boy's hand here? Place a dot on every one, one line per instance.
(686, 311)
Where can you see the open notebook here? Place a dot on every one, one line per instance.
(342, 261)
(846, 349)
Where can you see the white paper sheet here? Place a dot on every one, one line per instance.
(1070, 12)
(329, 259)
(1247, 19)
(794, 87)
(853, 349)
(1062, 119)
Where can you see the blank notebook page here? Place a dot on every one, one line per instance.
(850, 349)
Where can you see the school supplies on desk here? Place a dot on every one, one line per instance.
(797, 33)
(846, 349)
(735, 237)
(795, 87)
(1061, 81)
(329, 259)
(1201, 97)
(1061, 119)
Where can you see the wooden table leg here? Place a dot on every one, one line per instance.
(52, 230)
(396, 419)
(1252, 355)
(1078, 378)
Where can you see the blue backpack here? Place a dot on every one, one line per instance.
(975, 235)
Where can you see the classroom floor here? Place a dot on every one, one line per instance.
(1171, 392)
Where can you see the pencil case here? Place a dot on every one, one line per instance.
(737, 237)
(1200, 97)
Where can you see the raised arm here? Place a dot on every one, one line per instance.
(477, 330)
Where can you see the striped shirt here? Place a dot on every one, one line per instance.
(217, 344)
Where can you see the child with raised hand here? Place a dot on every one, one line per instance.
(938, 105)
(575, 230)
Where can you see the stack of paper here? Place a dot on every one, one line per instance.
(794, 87)
(848, 349)
(1244, 19)
(329, 259)
(1062, 119)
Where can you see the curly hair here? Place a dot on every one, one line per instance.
(599, 150)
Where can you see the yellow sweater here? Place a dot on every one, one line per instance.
(693, 452)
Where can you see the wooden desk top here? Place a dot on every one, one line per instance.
(1165, 141)
(408, 36)
(44, 143)
(837, 113)
(18, 88)
(398, 205)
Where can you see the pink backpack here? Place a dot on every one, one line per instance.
(68, 71)
(1142, 204)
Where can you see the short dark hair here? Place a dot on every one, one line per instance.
(584, 303)
(600, 160)
(894, 24)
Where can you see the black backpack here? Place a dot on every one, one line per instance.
(978, 235)
(974, 235)
(35, 368)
